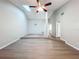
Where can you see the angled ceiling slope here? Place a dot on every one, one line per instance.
(55, 5)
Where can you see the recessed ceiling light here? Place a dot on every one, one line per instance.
(27, 8)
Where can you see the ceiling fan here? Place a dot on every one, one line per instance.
(41, 7)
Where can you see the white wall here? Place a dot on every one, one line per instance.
(36, 26)
(13, 23)
(41, 24)
(70, 23)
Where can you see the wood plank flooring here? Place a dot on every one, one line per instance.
(39, 49)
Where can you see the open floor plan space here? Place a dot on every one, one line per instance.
(39, 49)
(39, 29)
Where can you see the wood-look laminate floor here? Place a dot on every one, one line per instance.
(38, 49)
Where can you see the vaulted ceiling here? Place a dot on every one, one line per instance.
(55, 5)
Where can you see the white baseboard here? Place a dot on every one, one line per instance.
(72, 45)
(62, 39)
(9, 43)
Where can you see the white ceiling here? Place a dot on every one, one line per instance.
(55, 5)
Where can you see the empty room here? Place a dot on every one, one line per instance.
(39, 29)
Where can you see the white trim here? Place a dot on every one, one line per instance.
(72, 45)
(62, 39)
(9, 43)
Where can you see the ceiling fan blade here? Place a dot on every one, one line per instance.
(47, 4)
(37, 1)
(33, 6)
(45, 10)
